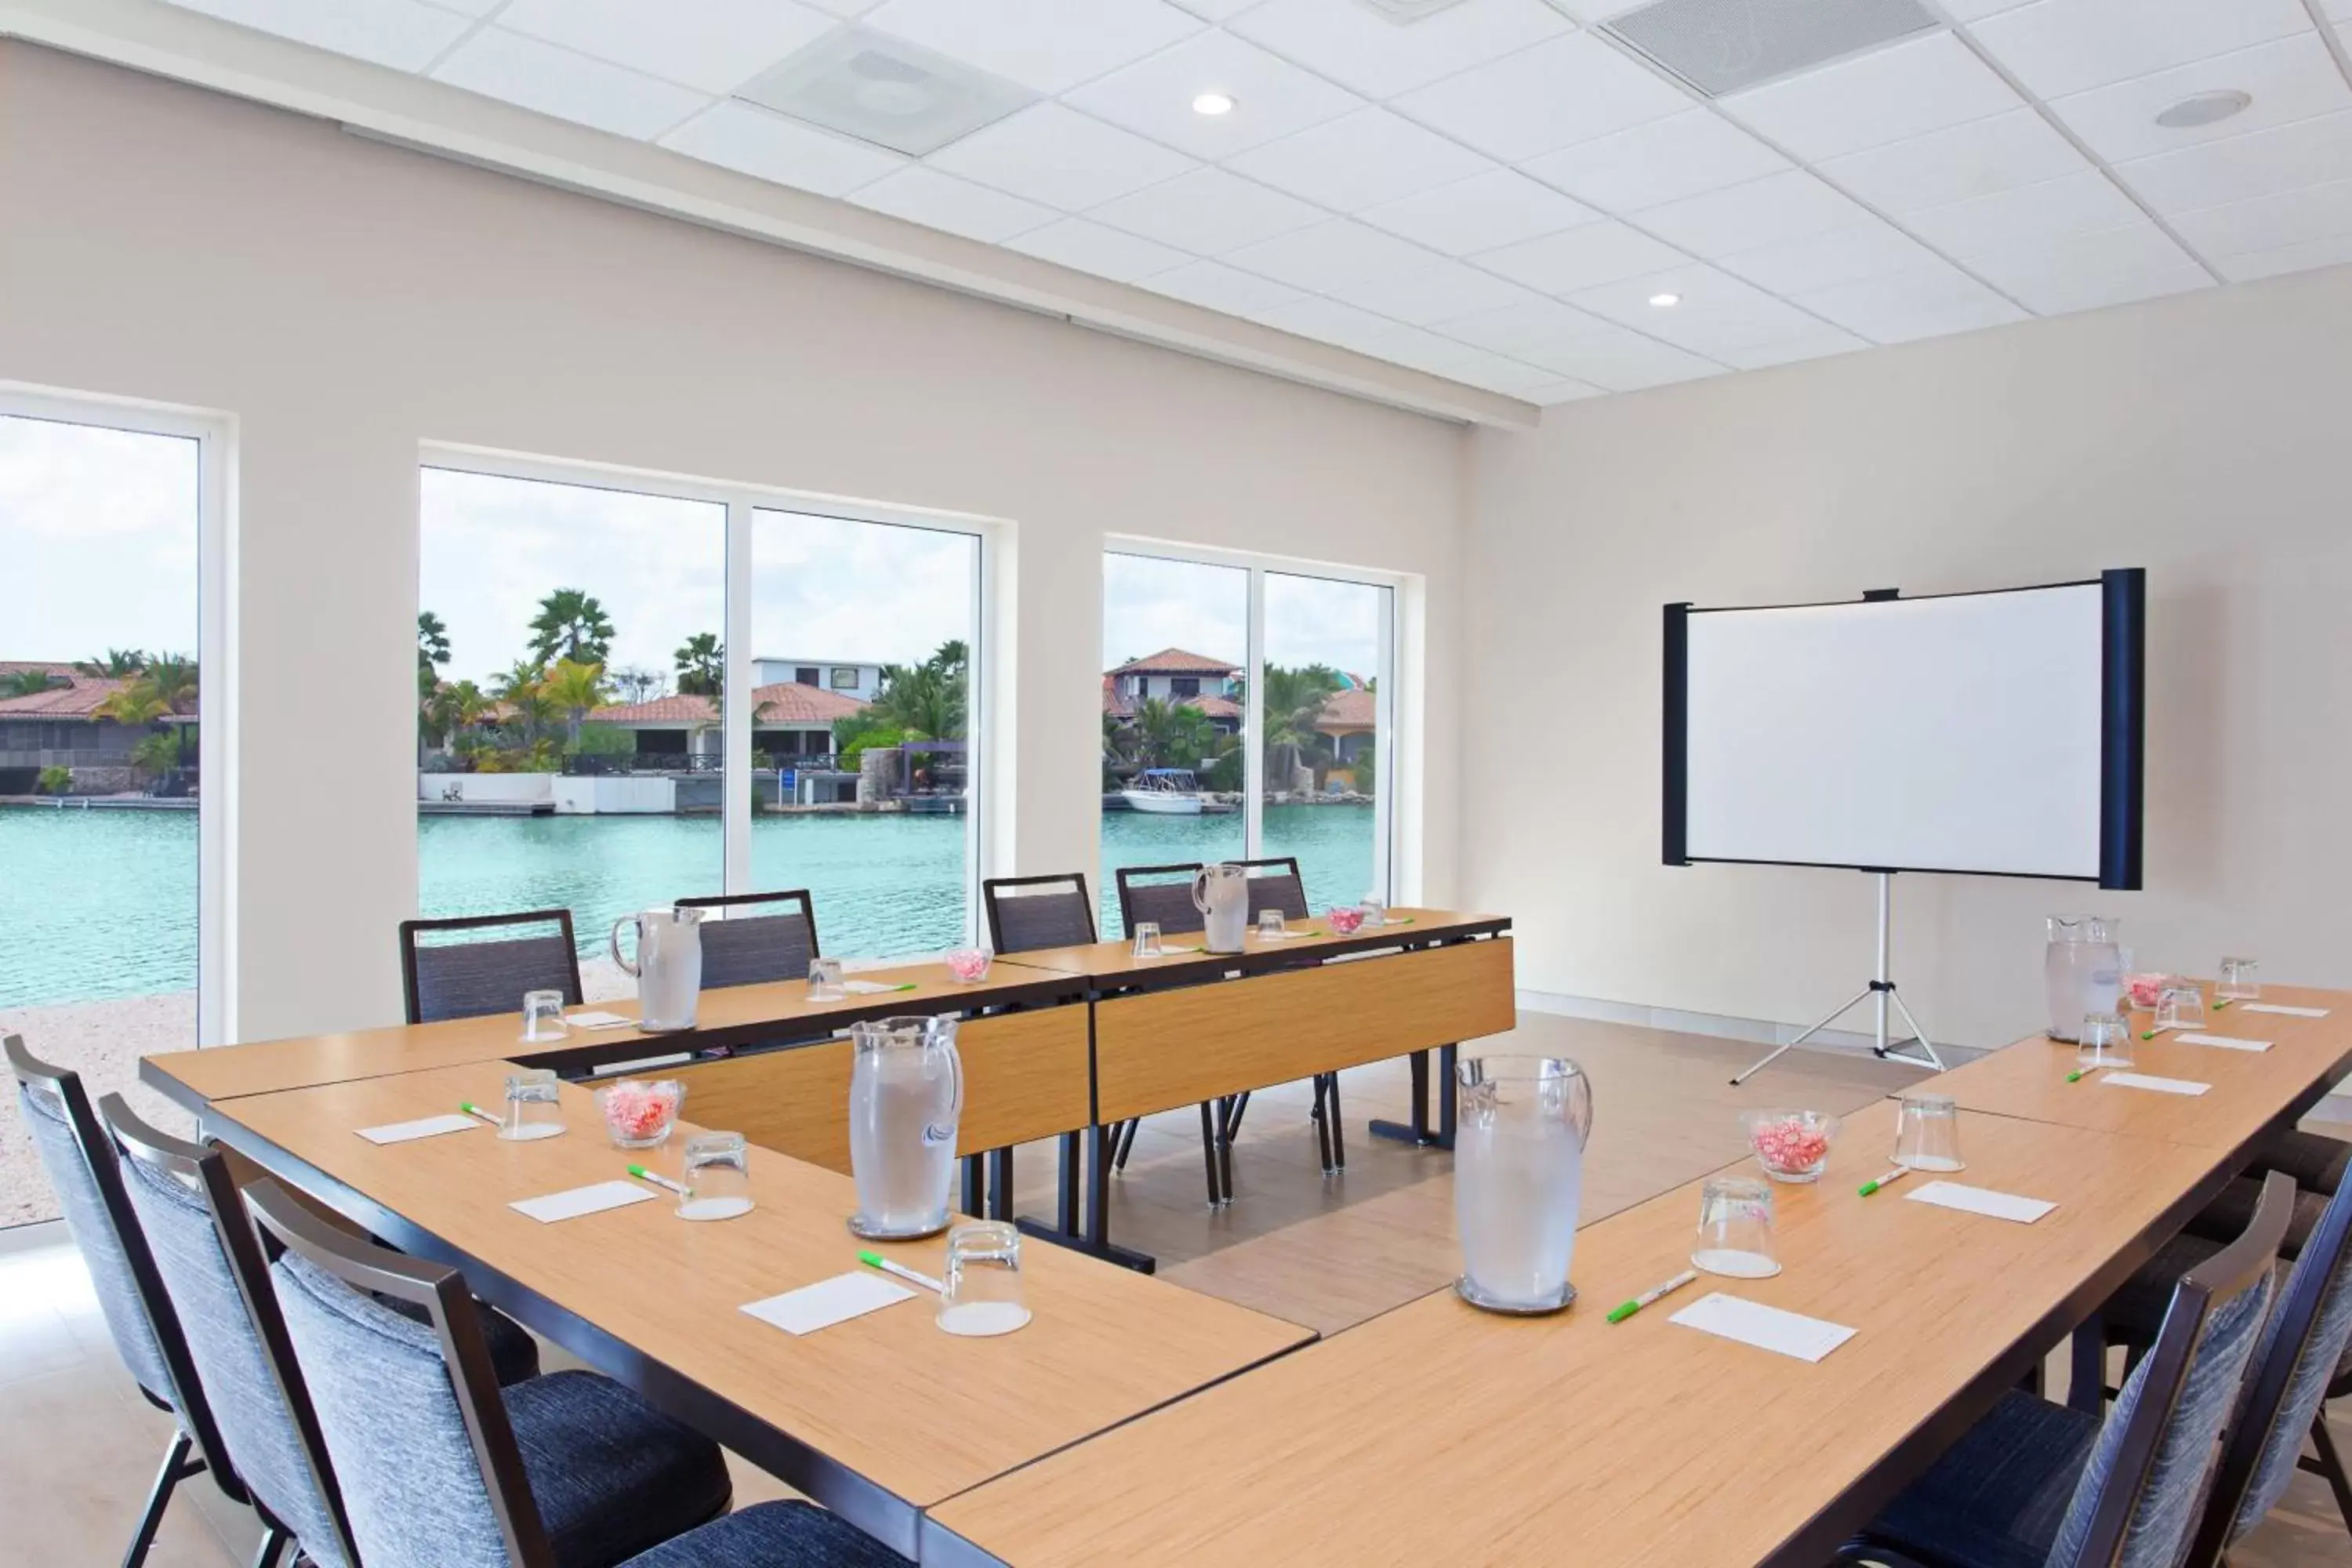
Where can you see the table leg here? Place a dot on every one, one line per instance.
(972, 1195)
(1335, 1123)
(1212, 1134)
(1418, 1130)
(2086, 1383)
(1069, 1182)
(999, 1184)
(1093, 1236)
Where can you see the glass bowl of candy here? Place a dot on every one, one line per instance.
(638, 1114)
(1345, 920)
(969, 964)
(1792, 1145)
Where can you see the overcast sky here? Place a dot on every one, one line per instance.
(98, 529)
(1151, 603)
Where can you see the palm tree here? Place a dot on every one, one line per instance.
(116, 664)
(701, 665)
(175, 680)
(156, 755)
(1294, 702)
(575, 688)
(927, 699)
(432, 638)
(133, 706)
(571, 624)
(637, 684)
(518, 689)
(26, 683)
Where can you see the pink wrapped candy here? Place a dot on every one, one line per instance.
(638, 1114)
(1344, 921)
(1792, 1145)
(969, 964)
(2142, 990)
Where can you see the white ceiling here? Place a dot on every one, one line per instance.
(1494, 194)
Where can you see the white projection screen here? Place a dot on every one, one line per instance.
(1993, 733)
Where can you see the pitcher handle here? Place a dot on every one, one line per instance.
(627, 967)
(1200, 889)
(937, 1133)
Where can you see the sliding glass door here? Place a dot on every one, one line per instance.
(1324, 732)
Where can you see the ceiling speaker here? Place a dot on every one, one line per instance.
(1719, 46)
(885, 90)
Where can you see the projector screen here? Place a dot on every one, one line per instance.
(1980, 733)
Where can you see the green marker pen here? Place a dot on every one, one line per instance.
(1888, 1179)
(876, 1260)
(1625, 1310)
(680, 1188)
(2074, 1077)
(470, 1108)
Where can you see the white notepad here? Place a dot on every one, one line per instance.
(2280, 1008)
(1980, 1200)
(581, 1201)
(2161, 1085)
(424, 1127)
(829, 1302)
(1766, 1328)
(593, 1020)
(2223, 1041)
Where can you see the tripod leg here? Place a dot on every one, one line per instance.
(1917, 1032)
(1860, 997)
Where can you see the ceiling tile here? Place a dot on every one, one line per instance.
(2019, 148)
(1091, 248)
(2336, 10)
(1360, 161)
(735, 135)
(2249, 266)
(1621, 361)
(1272, 98)
(2058, 46)
(401, 33)
(1553, 394)
(1886, 95)
(1054, 154)
(1329, 321)
(1761, 212)
(943, 201)
(2267, 223)
(713, 44)
(2135, 247)
(1582, 258)
(1975, 10)
(1536, 332)
(2027, 216)
(1440, 293)
(1355, 45)
(1717, 311)
(1332, 255)
(2291, 80)
(1682, 156)
(1208, 212)
(1568, 91)
(1496, 208)
(2307, 153)
(1931, 302)
(2063, 291)
(468, 7)
(1474, 367)
(568, 86)
(1869, 249)
(1047, 46)
(1214, 285)
(1216, 10)
(1819, 343)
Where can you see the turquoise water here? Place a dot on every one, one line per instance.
(96, 904)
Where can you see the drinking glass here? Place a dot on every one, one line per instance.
(2107, 1042)
(2239, 982)
(534, 1105)
(824, 980)
(1927, 1135)
(1734, 1229)
(983, 1294)
(542, 1016)
(1146, 939)
(1271, 926)
(718, 1177)
(2181, 1006)
(1376, 910)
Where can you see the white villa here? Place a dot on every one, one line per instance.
(862, 682)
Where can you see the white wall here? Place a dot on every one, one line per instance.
(2204, 437)
(346, 300)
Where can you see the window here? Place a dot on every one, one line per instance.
(1275, 731)
(109, 922)
(805, 674)
(845, 679)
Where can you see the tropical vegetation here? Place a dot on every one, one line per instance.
(26, 683)
(701, 663)
(573, 625)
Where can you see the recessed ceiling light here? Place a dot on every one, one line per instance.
(1665, 302)
(2204, 108)
(1213, 103)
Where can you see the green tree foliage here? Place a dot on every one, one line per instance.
(115, 664)
(54, 781)
(570, 624)
(575, 688)
(701, 663)
(27, 683)
(928, 699)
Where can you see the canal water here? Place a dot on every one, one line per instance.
(99, 904)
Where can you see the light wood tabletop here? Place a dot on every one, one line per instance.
(1115, 962)
(725, 1015)
(2250, 1090)
(1437, 1433)
(879, 1416)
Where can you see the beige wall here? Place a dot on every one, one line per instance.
(346, 301)
(2204, 437)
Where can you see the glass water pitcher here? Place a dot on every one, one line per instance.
(906, 1095)
(2083, 971)
(1518, 1179)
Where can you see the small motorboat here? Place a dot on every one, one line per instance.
(1166, 791)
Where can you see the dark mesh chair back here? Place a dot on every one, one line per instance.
(1276, 885)
(1027, 913)
(177, 1189)
(1166, 903)
(477, 975)
(749, 948)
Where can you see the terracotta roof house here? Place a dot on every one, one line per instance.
(1175, 674)
(1349, 718)
(59, 727)
(789, 719)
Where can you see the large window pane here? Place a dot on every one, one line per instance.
(570, 655)
(1175, 660)
(862, 638)
(1322, 741)
(97, 762)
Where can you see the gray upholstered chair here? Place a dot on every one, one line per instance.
(2037, 1485)
(1027, 913)
(749, 949)
(1276, 884)
(131, 1296)
(440, 1468)
(475, 976)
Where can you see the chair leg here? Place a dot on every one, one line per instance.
(1238, 1107)
(1322, 1120)
(1209, 1147)
(1336, 1122)
(177, 1467)
(2331, 1465)
(1126, 1143)
(272, 1545)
